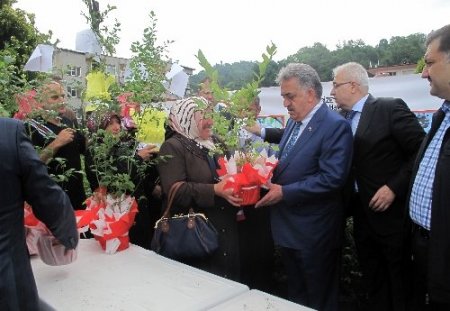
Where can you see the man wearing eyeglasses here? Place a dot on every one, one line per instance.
(387, 136)
(58, 141)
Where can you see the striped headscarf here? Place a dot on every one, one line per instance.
(185, 116)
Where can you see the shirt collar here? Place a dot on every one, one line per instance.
(445, 106)
(360, 104)
(309, 116)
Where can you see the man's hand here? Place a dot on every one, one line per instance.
(382, 199)
(272, 197)
(254, 129)
(64, 137)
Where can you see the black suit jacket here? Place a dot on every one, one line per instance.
(384, 148)
(24, 177)
(438, 267)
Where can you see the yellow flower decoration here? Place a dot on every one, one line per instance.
(98, 84)
(150, 124)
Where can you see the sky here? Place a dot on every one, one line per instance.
(239, 30)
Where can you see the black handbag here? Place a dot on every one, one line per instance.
(185, 236)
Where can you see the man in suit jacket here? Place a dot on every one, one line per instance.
(305, 194)
(429, 199)
(25, 178)
(387, 136)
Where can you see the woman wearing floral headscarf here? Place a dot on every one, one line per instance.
(113, 152)
(190, 148)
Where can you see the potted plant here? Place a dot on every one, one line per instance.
(248, 168)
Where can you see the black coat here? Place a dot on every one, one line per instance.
(189, 163)
(25, 178)
(385, 145)
(70, 153)
(439, 243)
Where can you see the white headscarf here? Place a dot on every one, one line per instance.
(185, 116)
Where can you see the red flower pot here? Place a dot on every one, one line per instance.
(250, 195)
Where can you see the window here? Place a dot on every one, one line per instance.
(74, 71)
(73, 92)
(111, 69)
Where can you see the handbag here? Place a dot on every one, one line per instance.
(184, 236)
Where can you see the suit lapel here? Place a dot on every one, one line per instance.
(305, 136)
(366, 116)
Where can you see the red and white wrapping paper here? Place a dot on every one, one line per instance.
(247, 180)
(113, 219)
(40, 241)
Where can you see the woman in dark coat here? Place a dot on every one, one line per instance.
(190, 161)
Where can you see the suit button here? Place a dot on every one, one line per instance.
(224, 254)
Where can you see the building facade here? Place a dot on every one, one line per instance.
(72, 67)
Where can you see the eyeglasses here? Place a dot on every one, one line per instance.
(336, 85)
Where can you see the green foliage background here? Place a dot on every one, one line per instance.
(395, 51)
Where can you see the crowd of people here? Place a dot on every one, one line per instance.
(370, 160)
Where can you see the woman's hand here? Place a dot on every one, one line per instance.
(227, 194)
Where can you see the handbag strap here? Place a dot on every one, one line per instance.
(176, 186)
(171, 196)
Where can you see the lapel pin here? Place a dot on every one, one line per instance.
(309, 129)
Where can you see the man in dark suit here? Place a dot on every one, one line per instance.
(305, 194)
(387, 136)
(25, 178)
(429, 199)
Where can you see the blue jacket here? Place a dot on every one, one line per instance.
(312, 176)
(24, 177)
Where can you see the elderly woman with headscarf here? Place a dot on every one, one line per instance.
(190, 148)
(122, 154)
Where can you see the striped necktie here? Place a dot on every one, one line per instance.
(349, 115)
(292, 140)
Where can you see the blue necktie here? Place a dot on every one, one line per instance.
(349, 115)
(292, 140)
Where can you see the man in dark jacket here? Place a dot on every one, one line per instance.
(58, 141)
(25, 178)
(386, 138)
(429, 201)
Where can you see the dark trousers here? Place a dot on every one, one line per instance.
(384, 262)
(312, 277)
(421, 301)
(256, 250)
(141, 232)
